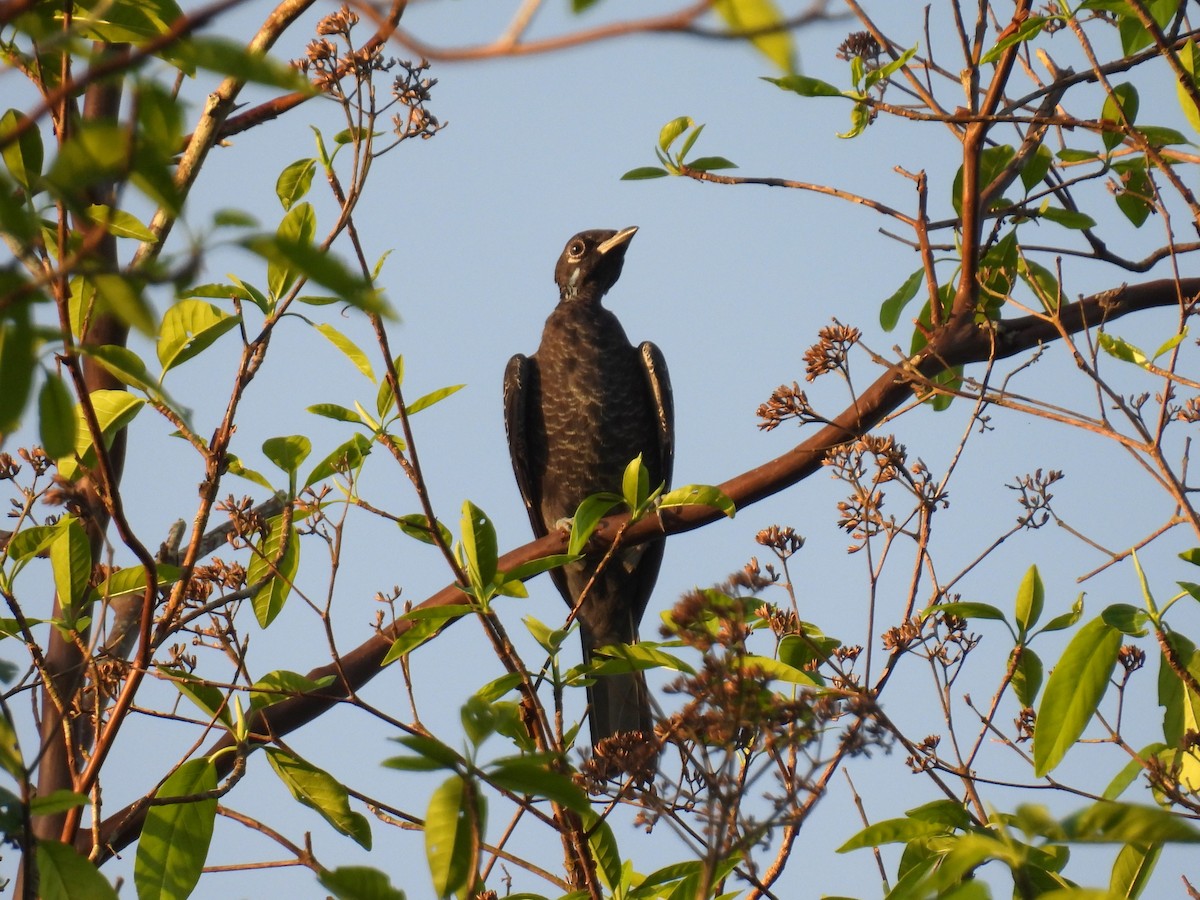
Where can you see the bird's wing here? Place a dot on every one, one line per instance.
(519, 377)
(655, 367)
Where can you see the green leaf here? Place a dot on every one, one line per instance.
(189, 328)
(1171, 343)
(1119, 348)
(293, 258)
(430, 748)
(1189, 58)
(65, 875)
(698, 495)
(56, 802)
(1132, 869)
(123, 364)
(1026, 31)
(893, 831)
(209, 698)
(1067, 619)
(889, 311)
(779, 671)
(294, 181)
(1027, 679)
(708, 163)
(274, 564)
(358, 883)
(1073, 692)
(287, 452)
(431, 398)
(480, 549)
(416, 525)
(672, 130)
(478, 720)
(805, 86)
(1067, 218)
(530, 778)
(133, 580)
(319, 790)
(230, 57)
(124, 296)
(56, 417)
(1124, 98)
(757, 17)
(642, 173)
(119, 223)
(283, 685)
(336, 412)
(28, 542)
(453, 829)
(17, 360)
(587, 517)
(176, 836)
(71, 562)
(635, 484)
(967, 610)
(1123, 823)
(1036, 167)
(23, 157)
(528, 570)
(349, 349)
(297, 228)
(348, 457)
(1031, 597)
(860, 118)
(1126, 618)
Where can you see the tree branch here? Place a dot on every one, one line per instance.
(961, 346)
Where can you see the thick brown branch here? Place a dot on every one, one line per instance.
(970, 344)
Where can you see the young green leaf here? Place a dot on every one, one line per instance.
(889, 311)
(587, 517)
(294, 181)
(71, 562)
(347, 457)
(358, 883)
(17, 360)
(426, 401)
(56, 417)
(349, 349)
(1076, 687)
(1031, 597)
(642, 173)
(764, 23)
(319, 790)
(287, 452)
(189, 328)
(672, 130)
(1027, 679)
(274, 564)
(480, 549)
(698, 495)
(1123, 99)
(22, 157)
(453, 834)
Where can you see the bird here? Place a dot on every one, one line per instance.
(576, 413)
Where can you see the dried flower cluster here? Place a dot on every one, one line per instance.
(861, 45)
(1035, 497)
(786, 403)
(830, 352)
(784, 541)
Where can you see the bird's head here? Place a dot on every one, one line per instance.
(591, 263)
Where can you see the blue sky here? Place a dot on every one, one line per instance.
(732, 283)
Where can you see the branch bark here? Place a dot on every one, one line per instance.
(953, 345)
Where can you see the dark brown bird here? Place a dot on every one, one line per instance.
(577, 412)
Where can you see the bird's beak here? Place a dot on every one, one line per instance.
(620, 239)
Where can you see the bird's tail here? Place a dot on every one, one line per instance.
(619, 702)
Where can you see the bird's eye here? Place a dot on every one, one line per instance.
(576, 250)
